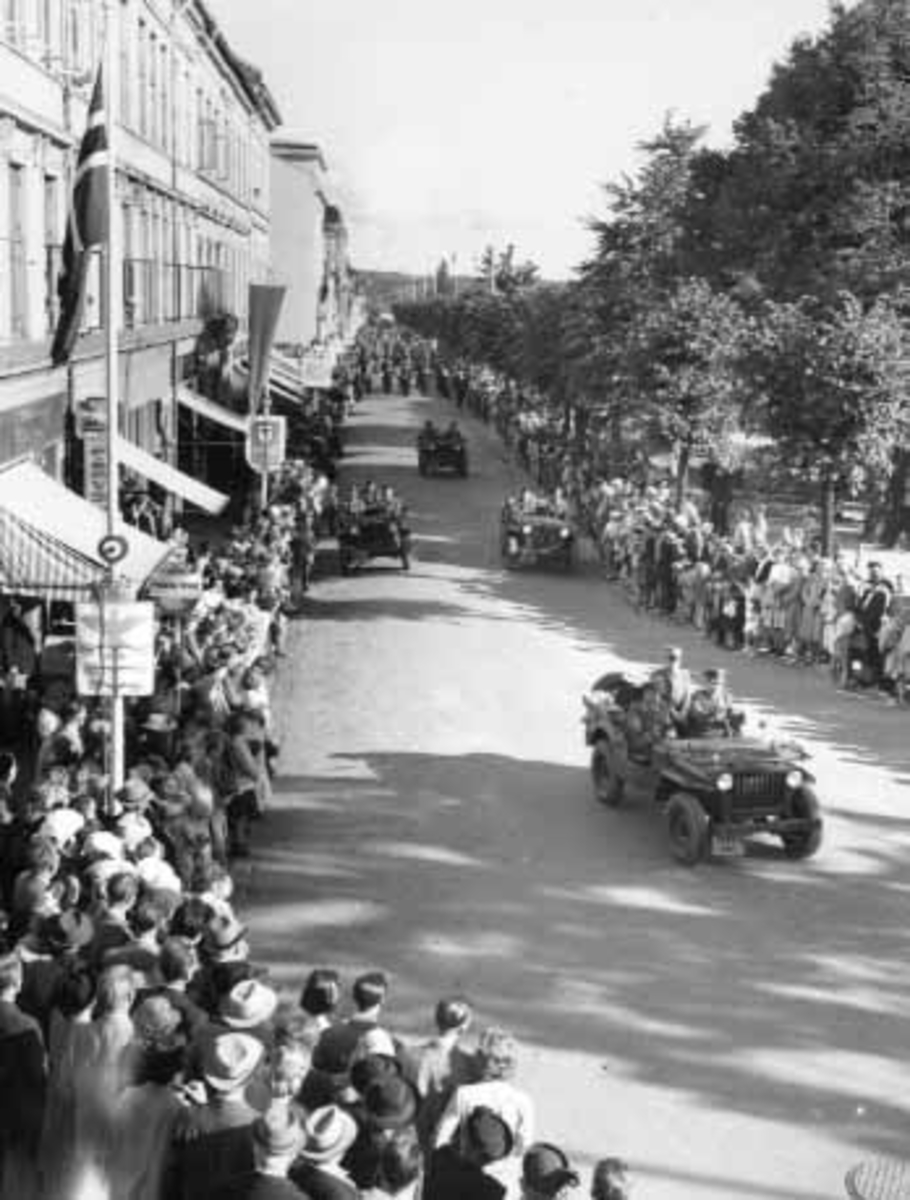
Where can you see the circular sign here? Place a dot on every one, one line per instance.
(113, 548)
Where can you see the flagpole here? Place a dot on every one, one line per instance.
(112, 291)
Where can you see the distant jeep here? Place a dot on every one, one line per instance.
(714, 791)
(536, 537)
(442, 450)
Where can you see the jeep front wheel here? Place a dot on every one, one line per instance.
(804, 842)
(687, 827)
(608, 784)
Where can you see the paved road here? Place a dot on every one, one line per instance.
(736, 1031)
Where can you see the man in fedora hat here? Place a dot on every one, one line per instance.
(329, 1133)
(214, 1142)
(276, 1138)
(46, 956)
(458, 1171)
(390, 1105)
(249, 1007)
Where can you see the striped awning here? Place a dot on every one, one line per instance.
(212, 411)
(178, 483)
(49, 539)
(34, 564)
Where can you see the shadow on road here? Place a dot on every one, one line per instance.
(686, 997)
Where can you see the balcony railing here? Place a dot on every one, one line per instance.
(156, 293)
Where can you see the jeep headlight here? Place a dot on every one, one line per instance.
(724, 782)
(526, 530)
(564, 533)
(793, 779)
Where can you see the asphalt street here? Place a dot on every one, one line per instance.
(738, 1030)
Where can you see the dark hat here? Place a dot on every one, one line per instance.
(278, 1132)
(487, 1134)
(390, 1103)
(373, 1068)
(546, 1170)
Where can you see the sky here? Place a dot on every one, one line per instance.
(448, 126)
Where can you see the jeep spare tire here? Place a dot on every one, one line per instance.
(687, 828)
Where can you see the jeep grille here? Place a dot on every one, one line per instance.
(761, 788)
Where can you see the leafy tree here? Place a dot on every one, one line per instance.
(831, 379)
(816, 195)
(684, 354)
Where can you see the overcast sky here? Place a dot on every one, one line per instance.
(449, 125)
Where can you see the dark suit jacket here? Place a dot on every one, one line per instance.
(23, 1079)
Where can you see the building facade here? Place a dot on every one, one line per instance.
(309, 248)
(192, 212)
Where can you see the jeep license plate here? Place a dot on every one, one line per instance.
(727, 845)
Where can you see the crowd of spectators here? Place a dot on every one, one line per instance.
(145, 1053)
(762, 586)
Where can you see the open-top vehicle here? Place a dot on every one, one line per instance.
(714, 790)
(442, 450)
(536, 536)
(376, 532)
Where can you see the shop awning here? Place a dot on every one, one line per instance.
(49, 539)
(212, 411)
(170, 478)
(283, 385)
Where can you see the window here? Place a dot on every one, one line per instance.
(13, 22)
(165, 98)
(126, 78)
(18, 279)
(141, 71)
(153, 88)
(45, 29)
(52, 249)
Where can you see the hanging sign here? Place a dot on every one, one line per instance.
(175, 591)
(115, 648)
(266, 443)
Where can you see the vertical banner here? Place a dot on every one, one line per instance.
(265, 305)
(91, 426)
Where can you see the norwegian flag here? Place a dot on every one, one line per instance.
(88, 225)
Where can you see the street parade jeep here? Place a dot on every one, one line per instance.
(535, 537)
(714, 791)
(442, 451)
(376, 532)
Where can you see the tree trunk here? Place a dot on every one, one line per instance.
(682, 474)
(828, 505)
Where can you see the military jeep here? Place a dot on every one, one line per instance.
(376, 532)
(442, 451)
(714, 791)
(536, 537)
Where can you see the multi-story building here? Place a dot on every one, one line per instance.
(193, 204)
(309, 247)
